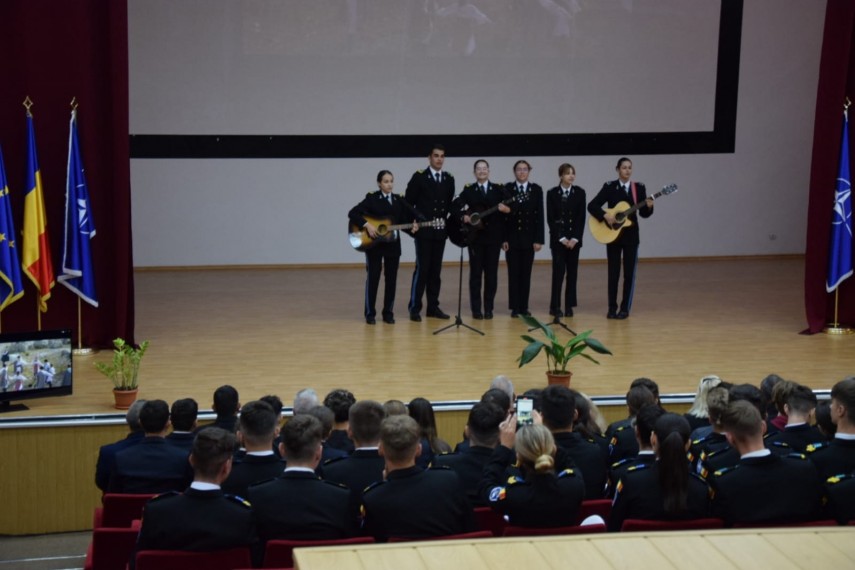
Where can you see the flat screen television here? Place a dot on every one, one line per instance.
(34, 365)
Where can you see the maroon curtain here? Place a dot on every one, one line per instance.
(836, 82)
(53, 51)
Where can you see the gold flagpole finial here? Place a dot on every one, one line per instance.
(27, 104)
(74, 103)
(847, 103)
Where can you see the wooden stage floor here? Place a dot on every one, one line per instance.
(275, 331)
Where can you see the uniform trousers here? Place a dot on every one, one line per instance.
(614, 252)
(483, 261)
(520, 263)
(565, 262)
(382, 257)
(427, 274)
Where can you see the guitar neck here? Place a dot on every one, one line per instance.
(635, 207)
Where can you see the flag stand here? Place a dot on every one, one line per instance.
(835, 327)
(80, 350)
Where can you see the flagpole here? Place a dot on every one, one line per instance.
(835, 328)
(80, 350)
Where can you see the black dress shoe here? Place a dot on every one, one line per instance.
(622, 315)
(389, 319)
(488, 315)
(437, 314)
(568, 313)
(415, 317)
(369, 320)
(477, 316)
(611, 315)
(556, 314)
(526, 313)
(514, 314)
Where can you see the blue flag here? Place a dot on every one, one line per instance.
(77, 273)
(840, 254)
(11, 287)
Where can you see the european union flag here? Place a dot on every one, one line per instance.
(77, 273)
(11, 287)
(840, 254)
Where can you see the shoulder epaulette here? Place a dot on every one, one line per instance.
(238, 500)
(421, 171)
(783, 444)
(724, 470)
(796, 455)
(367, 194)
(373, 486)
(468, 185)
(165, 495)
(623, 461)
(258, 483)
(621, 428)
(515, 480)
(698, 477)
(834, 479)
(812, 447)
(705, 455)
(433, 467)
(450, 175)
(637, 467)
(334, 484)
(567, 473)
(334, 460)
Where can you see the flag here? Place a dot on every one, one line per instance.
(36, 253)
(77, 273)
(840, 255)
(11, 288)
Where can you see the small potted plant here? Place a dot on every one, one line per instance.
(558, 354)
(123, 371)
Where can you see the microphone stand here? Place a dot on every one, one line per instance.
(458, 321)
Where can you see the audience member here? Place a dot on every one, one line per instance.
(661, 489)
(298, 505)
(395, 408)
(645, 419)
(762, 487)
(780, 389)
(589, 422)
(766, 387)
(643, 382)
(841, 497)
(823, 420)
(277, 405)
(413, 502)
(183, 416)
(257, 428)
(153, 465)
(339, 401)
(716, 441)
(799, 405)
(503, 383)
(202, 518)
(622, 442)
(838, 456)
(107, 453)
(226, 406)
(421, 410)
(698, 415)
(327, 418)
(498, 398)
(305, 400)
(541, 497)
(728, 456)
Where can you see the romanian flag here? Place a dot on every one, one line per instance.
(36, 253)
(11, 288)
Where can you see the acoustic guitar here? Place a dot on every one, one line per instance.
(385, 230)
(605, 233)
(462, 234)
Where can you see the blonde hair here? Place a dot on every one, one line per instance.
(535, 448)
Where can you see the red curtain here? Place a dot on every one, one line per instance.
(836, 82)
(53, 51)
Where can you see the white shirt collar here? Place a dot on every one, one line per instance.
(203, 486)
(758, 453)
(303, 469)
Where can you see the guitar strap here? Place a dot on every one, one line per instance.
(634, 194)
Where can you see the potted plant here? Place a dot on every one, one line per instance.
(123, 371)
(558, 353)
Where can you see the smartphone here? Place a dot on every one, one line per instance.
(524, 408)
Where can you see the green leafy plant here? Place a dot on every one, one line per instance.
(124, 369)
(558, 353)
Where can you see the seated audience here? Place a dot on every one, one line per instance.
(413, 502)
(622, 442)
(728, 456)
(838, 456)
(643, 429)
(715, 442)
(541, 497)
(226, 405)
(643, 382)
(395, 408)
(662, 488)
(339, 401)
(503, 383)
(152, 465)
(432, 445)
(779, 395)
(277, 406)
(698, 415)
(799, 405)
(107, 453)
(202, 518)
(305, 400)
(498, 398)
(327, 418)
(257, 427)
(183, 416)
(767, 385)
(298, 505)
(823, 421)
(762, 487)
(841, 497)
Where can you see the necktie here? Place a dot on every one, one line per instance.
(626, 189)
(438, 177)
(389, 198)
(483, 188)
(521, 188)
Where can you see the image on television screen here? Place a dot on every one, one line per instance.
(35, 364)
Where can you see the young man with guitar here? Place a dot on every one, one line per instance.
(475, 214)
(565, 216)
(624, 249)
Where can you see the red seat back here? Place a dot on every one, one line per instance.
(512, 530)
(181, 560)
(602, 507)
(120, 509)
(280, 553)
(111, 548)
(635, 525)
(488, 519)
(461, 536)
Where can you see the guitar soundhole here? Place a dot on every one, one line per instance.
(382, 230)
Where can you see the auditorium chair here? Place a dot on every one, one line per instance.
(118, 510)
(512, 530)
(182, 560)
(640, 525)
(488, 519)
(461, 536)
(111, 548)
(280, 553)
(602, 507)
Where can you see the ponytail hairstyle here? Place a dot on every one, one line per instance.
(672, 432)
(535, 449)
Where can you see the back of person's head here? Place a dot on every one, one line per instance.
(503, 383)
(364, 421)
(133, 415)
(647, 383)
(498, 397)
(801, 400)
(226, 401)
(533, 394)
(483, 424)
(305, 399)
(780, 394)
(275, 404)
(742, 420)
(395, 408)
(823, 419)
(258, 423)
(699, 405)
(399, 438)
(535, 448)
(717, 399)
(183, 414)
(844, 394)
(324, 415)
(154, 416)
(212, 448)
(421, 410)
(339, 401)
(766, 386)
(638, 397)
(747, 393)
(301, 437)
(672, 439)
(589, 419)
(645, 419)
(558, 407)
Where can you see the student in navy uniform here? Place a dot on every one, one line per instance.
(383, 255)
(544, 496)
(661, 489)
(226, 405)
(644, 421)
(799, 407)
(324, 415)
(182, 415)
(107, 453)
(838, 456)
(413, 502)
(841, 497)
(716, 441)
(299, 505)
(339, 401)
(565, 215)
(623, 443)
(762, 487)
(484, 241)
(257, 427)
(524, 233)
(623, 250)
(430, 192)
(202, 518)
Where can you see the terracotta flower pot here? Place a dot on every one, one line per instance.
(124, 398)
(558, 377)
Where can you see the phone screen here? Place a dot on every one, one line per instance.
(524, 407)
